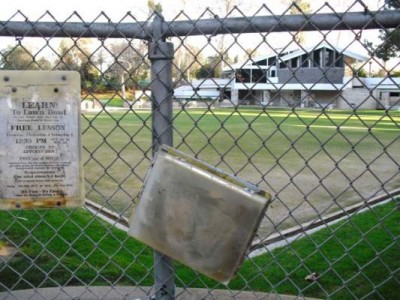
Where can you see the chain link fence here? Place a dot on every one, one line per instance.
(301, 102)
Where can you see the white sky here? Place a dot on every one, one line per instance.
(116, 9)
(89, 10)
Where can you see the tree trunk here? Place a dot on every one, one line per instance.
(123, 92)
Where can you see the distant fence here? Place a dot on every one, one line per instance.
(304, 120)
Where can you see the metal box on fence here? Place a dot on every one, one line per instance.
(197, 214)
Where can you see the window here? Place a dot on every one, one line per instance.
(271, 61)
(294, 62)
(258, 75)
(316, 58)
(260, 63)
(328, 57)
(227, 74)
(305, 61)
(242, 75)
(394, 94)
(339, 60)
(272, 72)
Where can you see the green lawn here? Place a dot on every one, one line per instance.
(71, 247)
(113, 102)
(353, 258)
(313, 162)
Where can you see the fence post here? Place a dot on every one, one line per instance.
(161, 54)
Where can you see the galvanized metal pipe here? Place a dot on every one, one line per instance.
(161, 54)
(316, 22)
(144, 30)
(75, 29)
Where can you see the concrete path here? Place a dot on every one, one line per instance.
(134, 293)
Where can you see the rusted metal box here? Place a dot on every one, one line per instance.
(198, 215)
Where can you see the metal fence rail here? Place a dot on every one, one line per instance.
(144, 30)
(314, 122)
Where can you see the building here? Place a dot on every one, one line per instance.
(319, 76)
(208, 89)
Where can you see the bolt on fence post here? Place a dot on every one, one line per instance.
(161, 54)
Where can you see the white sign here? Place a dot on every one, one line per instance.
(40, 150)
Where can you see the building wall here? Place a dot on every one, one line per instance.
(274, 99)
(394, 100)
(327, 99)
(304, 99)
(250, 96)
(358, 98)
(283, 98)
(311, 75)
(387, 99)
(345, 99)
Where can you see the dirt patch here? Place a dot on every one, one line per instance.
(323, 187)
(7, 253)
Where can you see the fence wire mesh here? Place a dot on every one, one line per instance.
(300, 105)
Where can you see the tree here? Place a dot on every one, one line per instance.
(100, 60)
(154, 7)
(209, 68)
(205, 71)
(250, 54)
(21, 58)
(300, 7)
(186, 62)
(67, 58)
(390, 45)
(225, 8)
(44, 64)
(75, 55)
(129, 66)
(357, 71)
(392, 3)
(388, 48)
